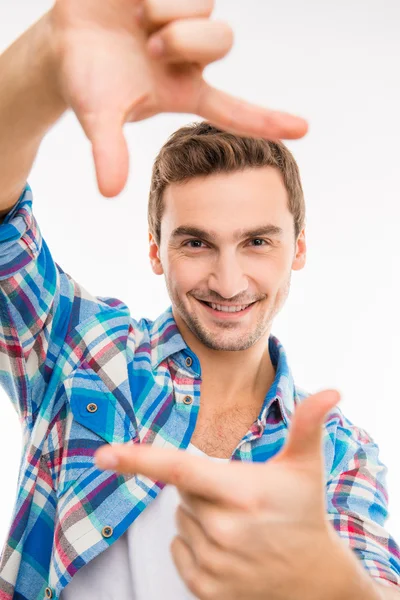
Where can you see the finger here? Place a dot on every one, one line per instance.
(305, 436)
(226, 528)
(156, 13)
(209, 555)
(192, 474)
(186, 565)
(194, 536)
(110, 152)
(191, 41)
(242, 118)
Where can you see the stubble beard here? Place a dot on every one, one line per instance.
(215, 341)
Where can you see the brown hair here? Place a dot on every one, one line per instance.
(201, 149)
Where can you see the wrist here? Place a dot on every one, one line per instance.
(341, 575)
(46, 70)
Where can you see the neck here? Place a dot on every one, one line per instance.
(236, 379)
(233, 379)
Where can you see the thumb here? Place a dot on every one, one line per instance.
(305, 436)
(110, 152)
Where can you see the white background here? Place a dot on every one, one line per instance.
(335, 63)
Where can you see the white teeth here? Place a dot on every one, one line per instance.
(228, 308)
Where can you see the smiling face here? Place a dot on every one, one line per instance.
(227, 251)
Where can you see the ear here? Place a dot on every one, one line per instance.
(301, 252)
(154, 255)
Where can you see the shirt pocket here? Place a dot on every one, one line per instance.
(93, 417)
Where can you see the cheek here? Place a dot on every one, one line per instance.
(270, 271)
(186, 274)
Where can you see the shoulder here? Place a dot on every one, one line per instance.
(343, 439)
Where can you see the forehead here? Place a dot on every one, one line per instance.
(226, 202)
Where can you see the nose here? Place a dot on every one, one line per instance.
(227, 277)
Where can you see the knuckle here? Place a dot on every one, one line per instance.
(172, 37)
(251, 496)
(201, 586)
(204, 557)
(174, 546)
(212, 560)
(178, 37)
(192, 581)
(253, 501)
(203, 38)
(180, 519)
(178, 473)
(223, 531)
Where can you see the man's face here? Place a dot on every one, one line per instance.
(227, 250)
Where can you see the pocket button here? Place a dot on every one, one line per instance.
(107, 531)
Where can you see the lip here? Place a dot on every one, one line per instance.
(226, 316)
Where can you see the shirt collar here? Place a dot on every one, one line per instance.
(165, 340)
(283, 389)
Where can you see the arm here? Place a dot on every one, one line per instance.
(36, 300)
(29, 105)
(342, 576)
(95, 58)
(357, 504)
(242, 531)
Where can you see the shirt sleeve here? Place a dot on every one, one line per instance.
(35, 305)
(357, 502)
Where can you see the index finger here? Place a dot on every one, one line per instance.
(191, 474)
(243, 118)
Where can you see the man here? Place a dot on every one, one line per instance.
(226, 218)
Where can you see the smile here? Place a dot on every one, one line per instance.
(226, 310)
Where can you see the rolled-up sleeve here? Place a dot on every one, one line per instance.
(35, 300)
(357, 502)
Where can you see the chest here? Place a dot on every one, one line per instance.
(217, 433)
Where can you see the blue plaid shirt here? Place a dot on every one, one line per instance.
(81, 372)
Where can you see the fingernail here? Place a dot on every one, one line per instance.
(106, 460)
(156, 46)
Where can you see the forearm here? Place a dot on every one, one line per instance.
(29, 105)
(343, 577)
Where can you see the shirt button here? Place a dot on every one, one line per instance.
(188, 400)
(92, 407)
(107, 531)
(48, 592)
(189, 361)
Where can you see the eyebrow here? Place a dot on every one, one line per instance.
(239, 234)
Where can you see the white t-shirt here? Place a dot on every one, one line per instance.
(138, 566)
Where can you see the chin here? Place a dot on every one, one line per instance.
(234, 345)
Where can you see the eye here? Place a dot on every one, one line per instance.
(258, 242)
(194, 244)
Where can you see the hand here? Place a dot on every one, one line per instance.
(111, 71)
(252, 530)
